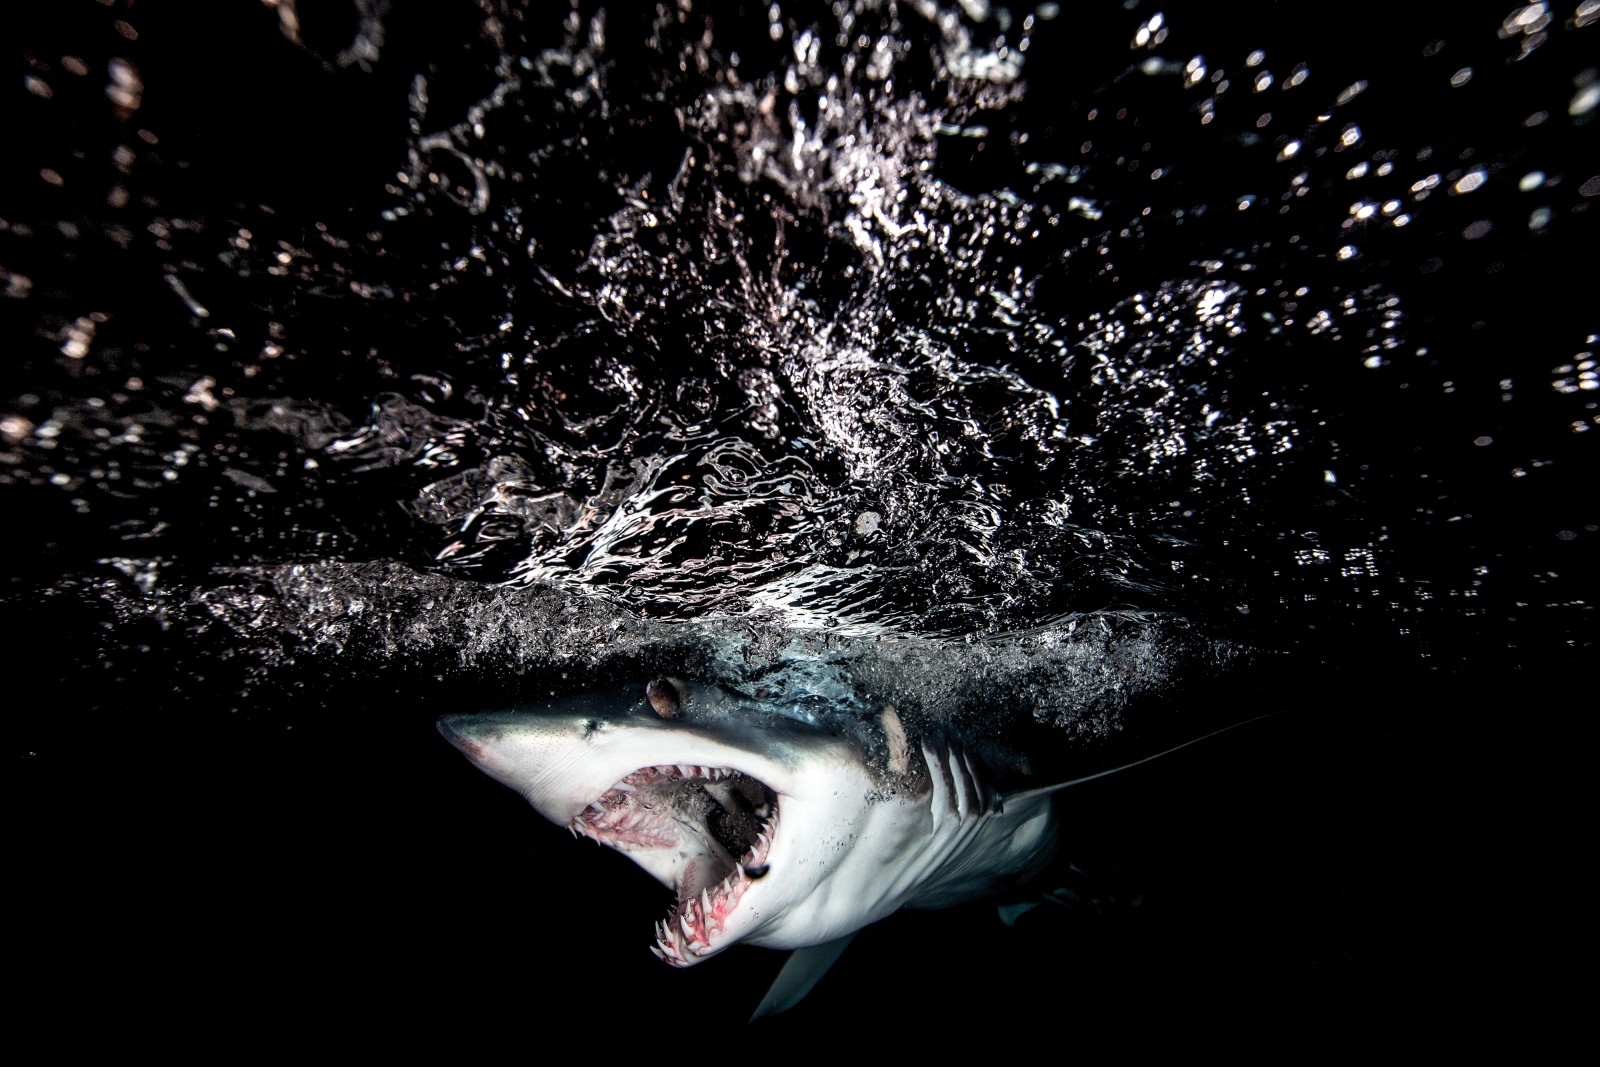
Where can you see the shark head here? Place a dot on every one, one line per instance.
(784, 825)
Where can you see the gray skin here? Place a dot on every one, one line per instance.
(849, 822)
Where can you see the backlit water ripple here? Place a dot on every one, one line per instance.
(909, 321)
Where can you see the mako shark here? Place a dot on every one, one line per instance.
(785, 823)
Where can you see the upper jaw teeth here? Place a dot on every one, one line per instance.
(669, 771)
(610, 812)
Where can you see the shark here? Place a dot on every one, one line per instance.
(786, 820)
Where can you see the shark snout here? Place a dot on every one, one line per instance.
(457, 730)
(536, 755)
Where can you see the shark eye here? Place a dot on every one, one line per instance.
(666, 699)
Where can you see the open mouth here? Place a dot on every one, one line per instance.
(707, 829)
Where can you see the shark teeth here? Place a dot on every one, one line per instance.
(639, 814)
(615, 819)
(670, 772)
(619, 795)
(668, 947)
(686, 935)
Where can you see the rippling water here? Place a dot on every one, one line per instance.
(1101, 371)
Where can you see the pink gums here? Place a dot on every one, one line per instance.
(620, 819)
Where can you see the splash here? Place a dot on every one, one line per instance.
(943, 326)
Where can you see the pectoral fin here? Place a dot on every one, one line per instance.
(802, 970)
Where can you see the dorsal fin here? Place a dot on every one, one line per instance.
(1046, 790)
(802, 970)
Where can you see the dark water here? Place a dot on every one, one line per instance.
(1089, 377)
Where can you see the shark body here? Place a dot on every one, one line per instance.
(789, 825)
